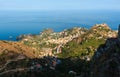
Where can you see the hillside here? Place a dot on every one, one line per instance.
(84, 46)
(73, 52)
(106, 61)
(72, 42)
(13, 50)
(49, 42)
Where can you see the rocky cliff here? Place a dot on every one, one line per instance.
(106, 61)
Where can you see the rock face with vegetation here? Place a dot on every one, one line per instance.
(76, 52)
(106, 61)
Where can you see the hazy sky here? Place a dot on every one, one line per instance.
(59, 4)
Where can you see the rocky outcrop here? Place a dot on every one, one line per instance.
(106, 61)
(119, 33)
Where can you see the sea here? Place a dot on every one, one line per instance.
(16, 22)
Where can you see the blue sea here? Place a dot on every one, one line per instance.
(16, 22)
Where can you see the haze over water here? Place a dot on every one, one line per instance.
(32, 16)
(15, 23)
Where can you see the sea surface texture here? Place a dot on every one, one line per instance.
(15, 23)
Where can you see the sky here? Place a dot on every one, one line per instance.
(59, 4)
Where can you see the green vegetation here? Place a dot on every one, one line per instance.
(75, 50)
(91, 40)
(83, 44)
(85, 48)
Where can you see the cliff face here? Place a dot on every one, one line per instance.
(119, 32)
(106, 61)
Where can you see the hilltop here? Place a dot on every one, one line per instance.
(85, 45)
(51, 42)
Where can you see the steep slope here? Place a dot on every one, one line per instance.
(13, 50)
(85, 45)
(15, 56)
(106, 61)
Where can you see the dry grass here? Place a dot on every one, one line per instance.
(17, 47)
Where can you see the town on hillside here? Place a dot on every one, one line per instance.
(76, 52)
